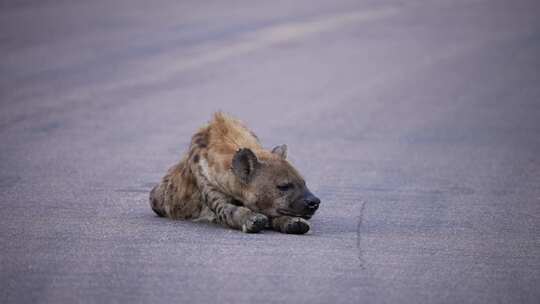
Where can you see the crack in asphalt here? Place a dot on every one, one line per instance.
(359, 236)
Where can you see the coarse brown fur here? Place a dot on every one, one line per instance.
(228, 177)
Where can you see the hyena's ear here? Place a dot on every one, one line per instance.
(281, 151)
(245, 164)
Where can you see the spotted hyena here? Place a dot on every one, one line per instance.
(229, 178)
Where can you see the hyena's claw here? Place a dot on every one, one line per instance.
(297, 226)
(255, 223)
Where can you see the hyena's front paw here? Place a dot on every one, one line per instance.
(296, 225)
(255, 223)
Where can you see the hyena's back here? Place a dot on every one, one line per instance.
(177, 195)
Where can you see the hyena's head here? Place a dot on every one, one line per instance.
(271, 185)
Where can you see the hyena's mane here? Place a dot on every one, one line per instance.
(225, 129)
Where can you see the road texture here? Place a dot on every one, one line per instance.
(416, 122)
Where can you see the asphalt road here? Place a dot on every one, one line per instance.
(416, 122)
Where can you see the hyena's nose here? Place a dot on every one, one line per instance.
(313, 202)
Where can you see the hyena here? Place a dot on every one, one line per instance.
(229, 178)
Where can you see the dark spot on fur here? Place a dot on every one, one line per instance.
(196, 158)
(201, 140)
(229, 212)
(237, 202)
(201, 143)
(219, 209)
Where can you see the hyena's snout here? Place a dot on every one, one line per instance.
(311, 202)
(306, 205)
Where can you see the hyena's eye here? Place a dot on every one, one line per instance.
(285, 187)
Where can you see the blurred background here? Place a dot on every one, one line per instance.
(416, 122)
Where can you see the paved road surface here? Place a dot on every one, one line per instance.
(416, 122)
